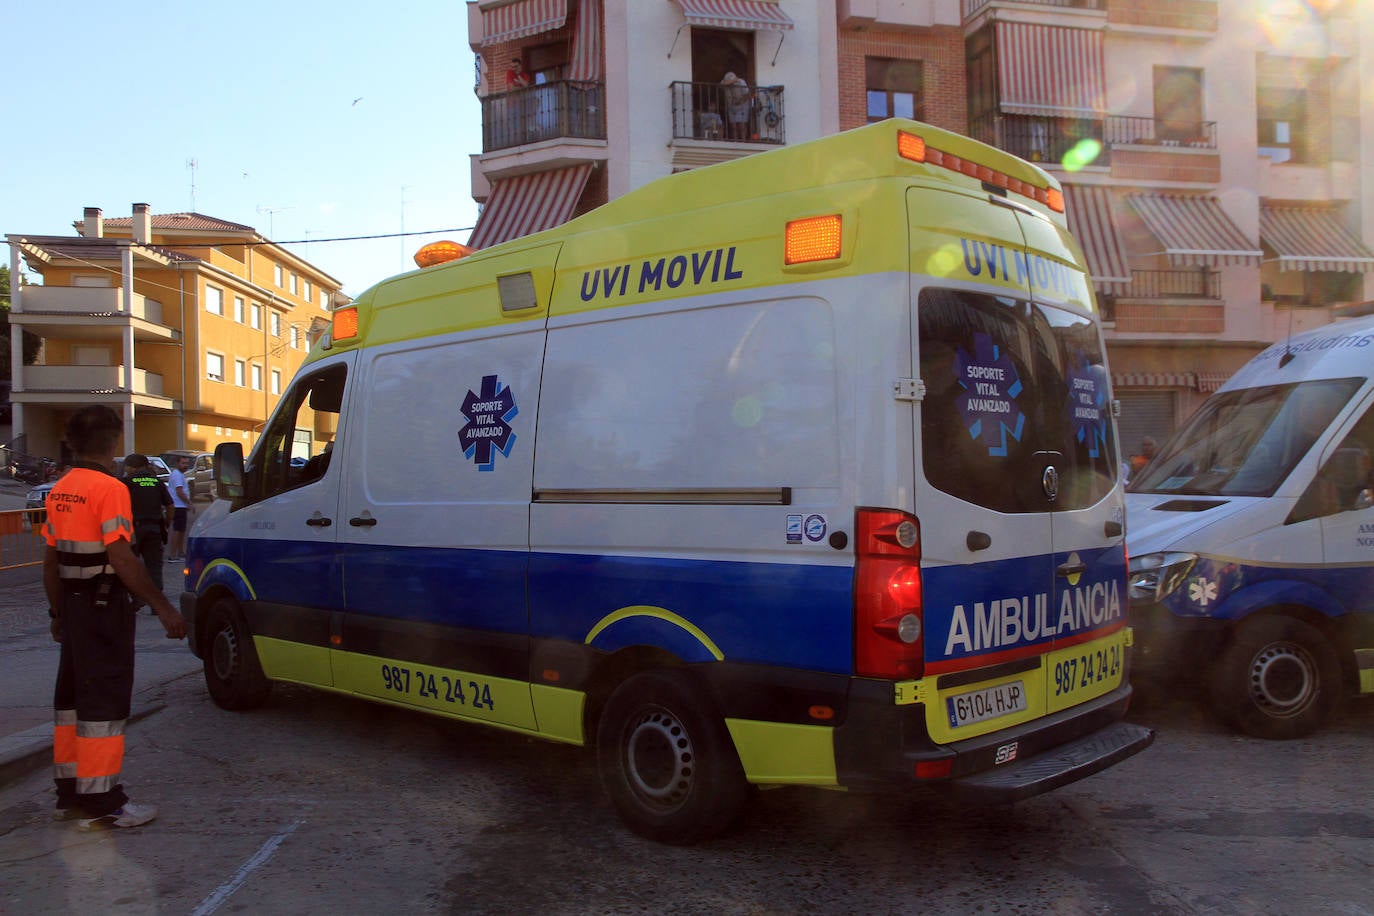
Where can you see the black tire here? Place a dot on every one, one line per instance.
(233, 674)
(1277, 678)
(667, 761)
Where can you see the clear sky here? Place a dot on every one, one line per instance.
(306, 120)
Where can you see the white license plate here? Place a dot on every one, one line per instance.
(988, 703)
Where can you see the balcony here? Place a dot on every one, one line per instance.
(970, 8)
(1169, 302)
(1043, 139)
(41, 382)
(1121, 129)
(83, 313)
(1174, 284)
(709, 112)
(551, 111)
(86, 301)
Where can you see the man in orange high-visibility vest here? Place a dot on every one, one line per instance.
(89, 569)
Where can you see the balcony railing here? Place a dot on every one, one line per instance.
(970, 7)
(1174, 284)
(82, 300)
(710, 111)
(87, 379)
(1118, 129)
(551, 111)
(1042, 138)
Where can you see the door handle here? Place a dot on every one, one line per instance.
(319, 521)
(1071, 569)
(362, 521)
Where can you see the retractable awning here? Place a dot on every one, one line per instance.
(1153, 380)
(735, 14)
(1050, 70)
(1090, 220)
(522, 19)
(1312, 238)
(586, 45)
(1195, 231)
(529, 203)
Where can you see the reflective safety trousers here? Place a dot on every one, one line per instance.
(95, 681)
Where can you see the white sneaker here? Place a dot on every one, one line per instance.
(128, 816)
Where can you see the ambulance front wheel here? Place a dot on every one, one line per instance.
(232, 672)
(667, 761)
(1278, 678)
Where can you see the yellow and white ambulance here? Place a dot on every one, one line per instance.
(799, 469)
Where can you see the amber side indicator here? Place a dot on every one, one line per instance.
(345, 324)
(816, 238)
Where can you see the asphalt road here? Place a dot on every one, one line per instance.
(323, 804)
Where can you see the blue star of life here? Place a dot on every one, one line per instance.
(487, 432)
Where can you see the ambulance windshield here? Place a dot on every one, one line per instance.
(1245, 442)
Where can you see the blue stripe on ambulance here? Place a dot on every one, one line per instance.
(1225, 589)
(791, 615)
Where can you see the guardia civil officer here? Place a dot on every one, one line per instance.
(89, 570)
(153, 506)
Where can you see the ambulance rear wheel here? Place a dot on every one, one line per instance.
(233, 674)
(667, 761)
(1278, 678)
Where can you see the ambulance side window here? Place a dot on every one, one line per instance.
(1346, 480)
(298, 445)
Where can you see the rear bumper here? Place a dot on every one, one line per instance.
(880, 746)
(1056, 767)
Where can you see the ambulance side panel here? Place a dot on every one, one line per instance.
(689, 479)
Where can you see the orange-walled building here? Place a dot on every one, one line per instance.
(189, 326)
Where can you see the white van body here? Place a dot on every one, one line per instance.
(799, 469)
(1251, 536)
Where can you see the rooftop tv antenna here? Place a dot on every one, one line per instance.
(272, 218)
(191, 167)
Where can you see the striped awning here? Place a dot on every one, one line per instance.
(735, 14)
(1050, 70)
(1089, 211)
(529, 203)
(1195, 231)
(1154, 380)
(522, 19)
(586, 44)
(1312, 238)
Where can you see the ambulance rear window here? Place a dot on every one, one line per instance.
(1013, 387)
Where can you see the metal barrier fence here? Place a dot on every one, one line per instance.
(21, 537)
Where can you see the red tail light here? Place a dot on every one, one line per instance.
(888, 622)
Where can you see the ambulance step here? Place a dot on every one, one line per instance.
(1056, 767)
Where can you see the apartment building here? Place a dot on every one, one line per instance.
(1217, 154)
(188, 325)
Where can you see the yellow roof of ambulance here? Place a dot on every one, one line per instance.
(863, 154)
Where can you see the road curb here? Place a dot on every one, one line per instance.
(22, 751)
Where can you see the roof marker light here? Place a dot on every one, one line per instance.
(915, 149)
(441, 253)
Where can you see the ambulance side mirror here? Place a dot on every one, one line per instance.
(229, 471)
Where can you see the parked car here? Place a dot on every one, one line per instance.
(200, 476)
(35, 500)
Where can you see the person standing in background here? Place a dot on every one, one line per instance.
(153, 509)
(181, 508)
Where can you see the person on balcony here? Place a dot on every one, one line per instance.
(738, 103)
